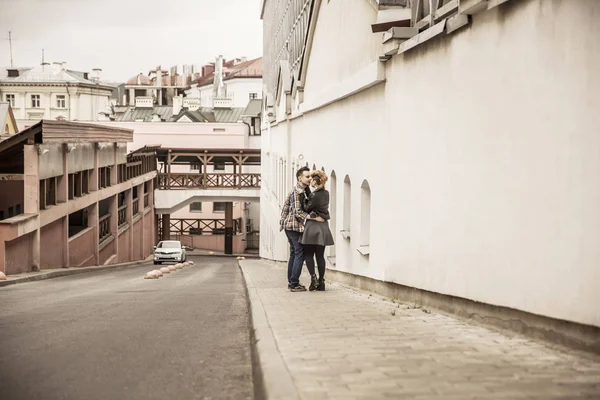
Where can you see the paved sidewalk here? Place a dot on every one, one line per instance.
(344, 344)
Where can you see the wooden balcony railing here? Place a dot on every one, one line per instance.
(208, 181)
(201, 226)
(122, 213)
(103, 227)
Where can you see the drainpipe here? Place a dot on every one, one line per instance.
(69, 102)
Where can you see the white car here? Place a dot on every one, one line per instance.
(169, 251)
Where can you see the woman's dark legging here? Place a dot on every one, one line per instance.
(310, 251)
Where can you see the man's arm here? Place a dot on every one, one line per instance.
(284, 213)
(299, 214)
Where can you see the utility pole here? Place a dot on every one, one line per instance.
(10, 46)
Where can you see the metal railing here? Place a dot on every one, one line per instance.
(122, 215)
(104, 227)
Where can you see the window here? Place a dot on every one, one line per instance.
(219, 206)
(219, 167)
(347, 223)
(61, 102)
(10, 98)
(253, 96)
(365, 218)
(35, 101)
(333, 210)
(196, 207)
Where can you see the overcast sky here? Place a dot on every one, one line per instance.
(125, 37)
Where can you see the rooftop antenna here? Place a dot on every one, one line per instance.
(10, 45)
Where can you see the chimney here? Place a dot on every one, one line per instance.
(158, 77)
(218, 89)
(57, 67)
(96, 74)
(208, 69)
(177, 104)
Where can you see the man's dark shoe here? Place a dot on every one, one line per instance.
(298, 288)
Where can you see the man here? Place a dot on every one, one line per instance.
(292, 221)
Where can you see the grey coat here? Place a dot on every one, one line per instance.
(317, 233)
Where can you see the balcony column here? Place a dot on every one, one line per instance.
(62, 196)
(229, 228)
(129, 219)
(32, 197)
(93, 179)
(114, 221)
(141, 212)
(166, 227)
(93, 217)
(168, 185)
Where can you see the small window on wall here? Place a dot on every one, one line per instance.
(219, 167)
(365, 218)
(196, 207)
(61, 101)
(35, 101)
(10, 98)
(253, 96)
(347, 221)
(219, 206)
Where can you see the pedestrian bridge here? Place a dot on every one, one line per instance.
(187, 176)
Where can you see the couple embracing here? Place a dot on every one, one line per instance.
(304, 219)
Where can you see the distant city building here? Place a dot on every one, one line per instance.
(54, 92)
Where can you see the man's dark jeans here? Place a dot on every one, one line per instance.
(296, 257)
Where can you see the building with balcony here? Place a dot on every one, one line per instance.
(461, 140)
(54, 92)
(71, 196)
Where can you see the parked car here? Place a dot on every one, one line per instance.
(169, 251)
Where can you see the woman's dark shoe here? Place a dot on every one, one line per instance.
(321, 287)
(313, 283)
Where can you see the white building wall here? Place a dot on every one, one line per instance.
(480, 149)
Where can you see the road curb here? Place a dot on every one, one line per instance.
(67, 272)
(272, 379)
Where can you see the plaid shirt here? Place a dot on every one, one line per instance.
(292, 216)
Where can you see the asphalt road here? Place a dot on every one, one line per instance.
(113, 335)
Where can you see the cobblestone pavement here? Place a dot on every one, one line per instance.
(345, 344)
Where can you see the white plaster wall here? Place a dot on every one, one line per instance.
(481, 151)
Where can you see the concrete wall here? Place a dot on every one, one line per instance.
(185, 136)
(217, 243)
(81, 248)
(107, 252)
(124, 247)
(138, 241)
(52, 245)
(480, 151)
(18, 255)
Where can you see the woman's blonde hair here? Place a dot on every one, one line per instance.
(319, 177)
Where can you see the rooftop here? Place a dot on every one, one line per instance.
(46, 74)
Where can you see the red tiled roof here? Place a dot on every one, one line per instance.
(140, 79)
(248, 69)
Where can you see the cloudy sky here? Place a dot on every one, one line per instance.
(125, 37)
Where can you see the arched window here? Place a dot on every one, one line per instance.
(333, 212)
(347, 221)
(365, 218)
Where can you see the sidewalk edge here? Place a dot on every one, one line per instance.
(67, 272)
(272, 379)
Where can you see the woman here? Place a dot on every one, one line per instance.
(316, 229)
